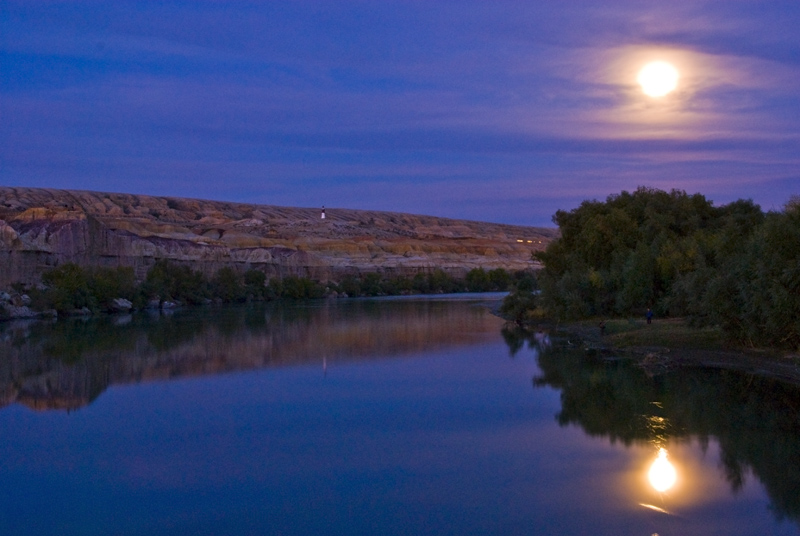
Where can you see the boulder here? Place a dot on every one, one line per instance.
(121, 305)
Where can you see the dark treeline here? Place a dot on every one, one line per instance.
(70, 287)
(732, 266)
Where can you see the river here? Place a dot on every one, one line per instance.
(377, 416)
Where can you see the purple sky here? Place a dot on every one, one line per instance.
(496, 111)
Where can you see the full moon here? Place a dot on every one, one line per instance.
(658, 78)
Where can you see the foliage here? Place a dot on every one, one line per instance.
(72, 287)
(300, 288)
(434, 282)
(731, 266)
(227, 285)
(517, 305)
(68, 288)
(479, 280)
(169, 281)
(255, 282)
(623, 255)
(758, 295)
(107, 284)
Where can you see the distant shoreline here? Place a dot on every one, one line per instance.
(42, 228)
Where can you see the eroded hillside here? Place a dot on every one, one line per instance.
(41, 228)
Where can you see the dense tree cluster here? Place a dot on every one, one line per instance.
(70, 287)
(732, 266)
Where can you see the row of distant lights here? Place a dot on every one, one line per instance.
(521, 241)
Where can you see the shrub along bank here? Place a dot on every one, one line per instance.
(70, 288)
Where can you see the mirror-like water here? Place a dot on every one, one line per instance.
(412, 416)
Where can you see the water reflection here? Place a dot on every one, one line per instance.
(68, 363)
(516, 337)
(662, 474)
(756, 421)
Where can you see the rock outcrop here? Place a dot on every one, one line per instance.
(42, 228)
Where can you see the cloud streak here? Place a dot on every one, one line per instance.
(495, 111)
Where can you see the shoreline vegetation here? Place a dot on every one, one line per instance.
(665, 344)
(722, 284)
(71, 290)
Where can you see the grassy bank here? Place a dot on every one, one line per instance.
(670, 333)
(669, 344)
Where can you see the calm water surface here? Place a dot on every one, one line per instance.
(412, 416)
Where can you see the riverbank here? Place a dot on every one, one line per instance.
(672, 343)
(70, 290)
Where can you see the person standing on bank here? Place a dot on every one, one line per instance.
(649, 315)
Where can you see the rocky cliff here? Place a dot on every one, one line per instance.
(41, 228)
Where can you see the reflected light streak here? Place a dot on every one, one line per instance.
(655, 508)
(662, 474)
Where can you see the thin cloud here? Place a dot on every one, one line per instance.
(504, 105)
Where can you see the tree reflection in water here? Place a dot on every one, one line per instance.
(516, 337)
(755, 420)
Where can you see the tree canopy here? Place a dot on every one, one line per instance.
(732, 265)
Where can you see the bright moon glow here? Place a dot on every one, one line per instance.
(662, 474)
(658, 78)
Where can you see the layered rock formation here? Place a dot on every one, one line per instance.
(41, 228)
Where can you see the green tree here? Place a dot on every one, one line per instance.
(731, 266)
(499, 279)
(255, 283)
(168, 281)
(69, 288)
(300, 288)
(623, 255)
(519, 303)
(478, 280)
(757, 297)
(107, 284)
(227, 285)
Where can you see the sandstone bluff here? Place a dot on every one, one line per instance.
(42, 228)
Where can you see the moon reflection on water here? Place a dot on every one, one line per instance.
(662, 474)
